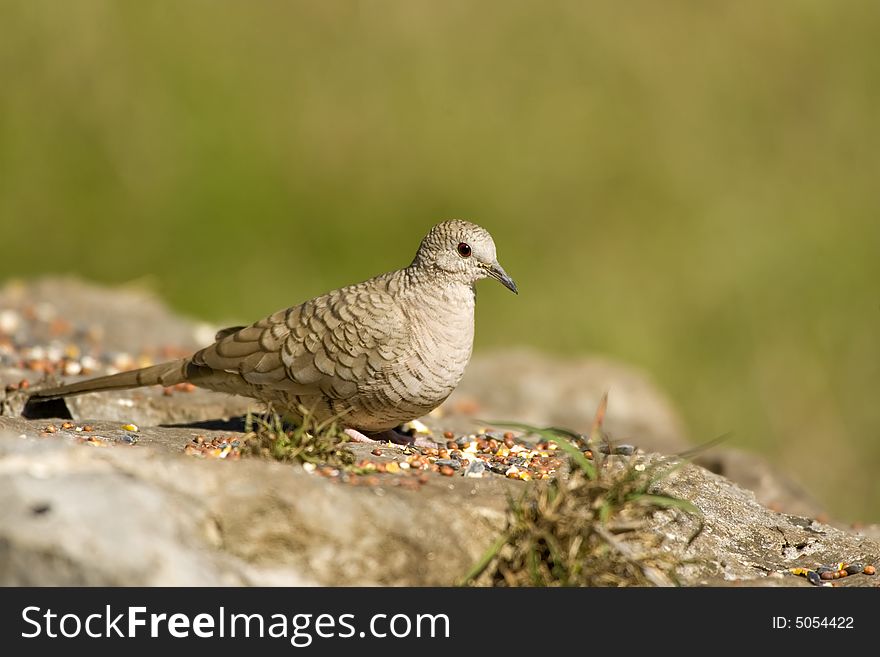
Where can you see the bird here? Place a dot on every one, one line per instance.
(375, 355)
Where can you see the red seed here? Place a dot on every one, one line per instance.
(869, 570)
(447, 471)
(376, 452)
(24, 384)
(448, 435)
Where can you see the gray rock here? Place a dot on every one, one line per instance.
(140, 512)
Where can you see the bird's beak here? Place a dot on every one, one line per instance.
(497, 271)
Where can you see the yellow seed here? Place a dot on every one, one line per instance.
(392, 467)
(130, 427)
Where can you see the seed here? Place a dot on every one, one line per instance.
(828, 574)
(72, 368)
(392, 467)
(451, 444)
(448, 435)
(869, 570)
(50, 428)
(447, 471)
(853, 569)
(814, 577)
(67, 425)
(129, 427)
(24, 384)
(88, 427)
(376, 452)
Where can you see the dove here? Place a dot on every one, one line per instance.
(375, 354)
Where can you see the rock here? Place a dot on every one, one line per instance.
(148, 515)
(119, 506)
(136, 515)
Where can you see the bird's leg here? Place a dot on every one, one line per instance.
(357, 437)
(389, 436)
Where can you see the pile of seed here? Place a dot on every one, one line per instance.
(34, 338)
(221, 447)
(475, 455)
(824, 575)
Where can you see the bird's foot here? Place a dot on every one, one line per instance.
(389, 436)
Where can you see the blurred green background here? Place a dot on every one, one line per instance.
(691, 187)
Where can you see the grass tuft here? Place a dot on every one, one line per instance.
(308, 441)
(587, 528)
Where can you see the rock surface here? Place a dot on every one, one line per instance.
(118, 505)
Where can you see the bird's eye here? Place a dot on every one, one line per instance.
(464, 250)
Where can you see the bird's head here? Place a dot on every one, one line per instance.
(463, 251)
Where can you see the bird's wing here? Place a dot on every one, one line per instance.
(328, 345)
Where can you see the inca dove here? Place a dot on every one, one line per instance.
(376, 354)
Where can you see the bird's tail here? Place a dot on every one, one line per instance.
(166, 374)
